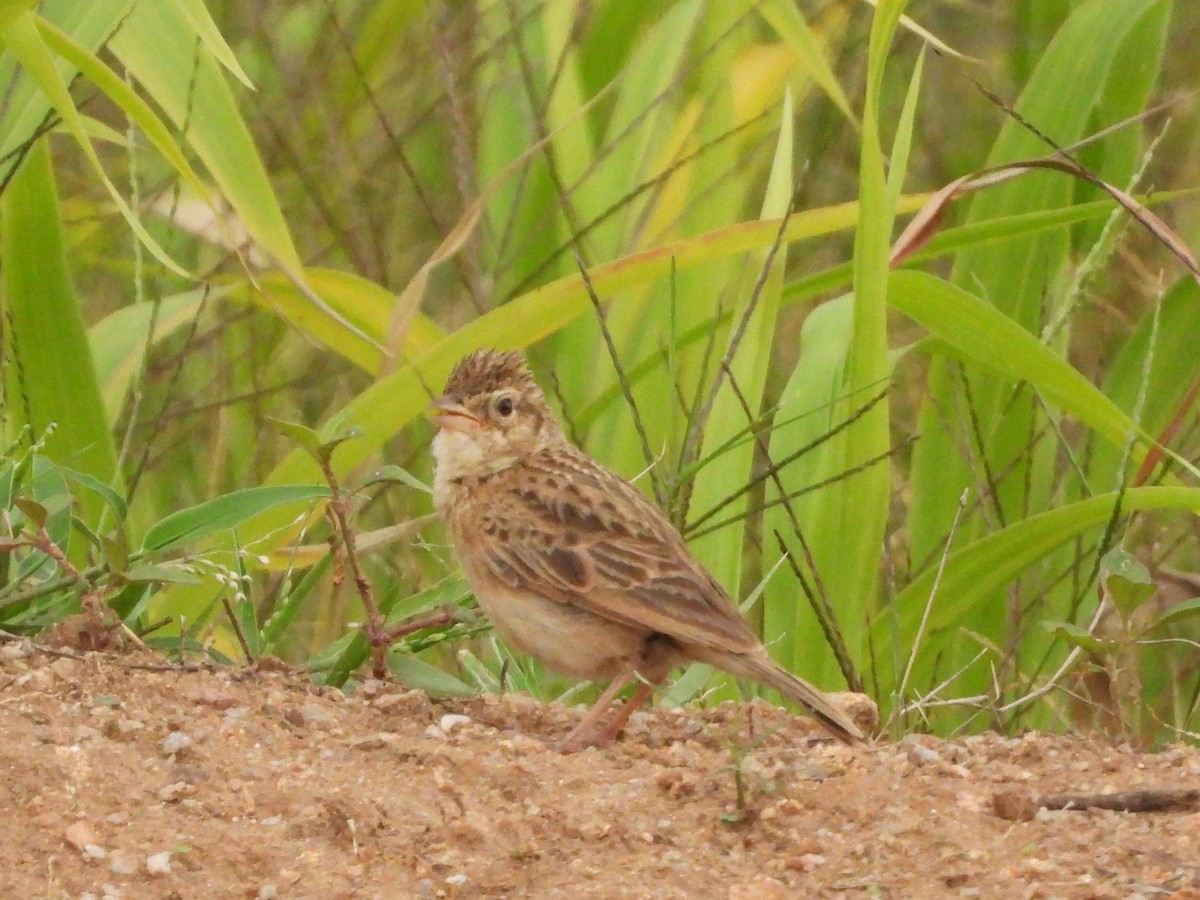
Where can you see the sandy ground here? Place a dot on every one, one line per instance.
(125, 778)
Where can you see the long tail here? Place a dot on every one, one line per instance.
(766, 671)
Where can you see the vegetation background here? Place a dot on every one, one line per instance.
(964, 482)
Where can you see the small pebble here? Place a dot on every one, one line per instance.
(122, 862)
(316, 714)
(175, 742)
(94, 852)
(171, 793)
(80, 834)
(16, 649)
(159, 863)
(267, 892)
(214, 697)
(920, 755)
(450, 721)
(65, 668)
(1014, 805)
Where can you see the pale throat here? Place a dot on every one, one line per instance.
(459, 454)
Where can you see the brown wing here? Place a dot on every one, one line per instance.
(563, 528)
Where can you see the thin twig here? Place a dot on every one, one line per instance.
(816, 486)
(639, 426)
(374, 630)
(937, 580)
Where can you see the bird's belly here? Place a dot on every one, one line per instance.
(567, 639)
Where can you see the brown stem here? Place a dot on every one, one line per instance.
(374, 629)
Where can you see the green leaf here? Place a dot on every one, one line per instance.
(152, 574)
(395, 474)
(987, 565)
(754, 329)
(111, 497)
(1126, 580)
(420, 675)
(981, 333)
(1188, 609)
(785, 17)
(197, 16)
(43, 328)
(26, 105)
(156, 42)
(290, 602)
(1077, 636)
(226, 512)
(25, 39)
(34, 512)
(119, 341)
(308, 439)
(116, 551)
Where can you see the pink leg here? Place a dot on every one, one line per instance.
(632, 705)
(588, 734)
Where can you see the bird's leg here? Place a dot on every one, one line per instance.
(581, 735)
(588, 732)
(632, 705)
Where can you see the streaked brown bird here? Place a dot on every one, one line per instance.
(573, 564)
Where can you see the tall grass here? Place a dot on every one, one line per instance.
(408, 182)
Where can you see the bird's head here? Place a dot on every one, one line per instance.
(491, 414)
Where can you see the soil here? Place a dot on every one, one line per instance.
(124, 777)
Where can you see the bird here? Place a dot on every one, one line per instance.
(575, 566)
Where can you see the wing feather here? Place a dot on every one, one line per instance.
(565, 529)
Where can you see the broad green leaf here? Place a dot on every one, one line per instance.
(1188, 609)
(846, 532)
(982, 334)
(786, 19)
(113, 498)
(226, 512)
(44, 327)
(790, 626)
(1077, 636)
(420, 675)
(197, 16)
(1126, 581)
(989, 564)
(396, 475)
(157, 43)
(755, 315)
(24, 39)
(26, 106)
(361, 312)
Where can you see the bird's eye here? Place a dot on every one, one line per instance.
(504, 406)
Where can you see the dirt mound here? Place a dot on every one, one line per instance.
(126, 778)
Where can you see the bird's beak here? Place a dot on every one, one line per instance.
(452, 415)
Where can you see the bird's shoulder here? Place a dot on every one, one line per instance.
(565, 488)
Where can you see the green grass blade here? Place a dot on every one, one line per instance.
(157, 44)
(225, 512)
(50, 373)
(982, 334)
(986, 566)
